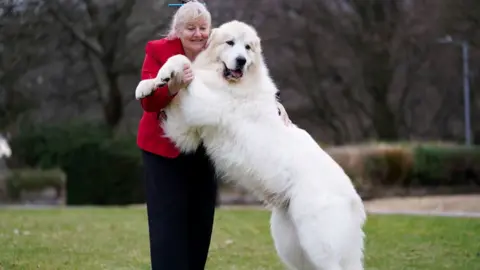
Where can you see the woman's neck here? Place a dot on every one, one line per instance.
(191, 55)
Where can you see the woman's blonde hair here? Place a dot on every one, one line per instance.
(188, 12)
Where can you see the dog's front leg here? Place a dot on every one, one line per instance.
(201, 106)
(144, 88)
(171, 70)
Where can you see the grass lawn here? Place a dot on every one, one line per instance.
(116, 238)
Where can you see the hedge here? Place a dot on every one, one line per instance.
(451, 166)
(101, 169)
(34, 179)
(375, 167)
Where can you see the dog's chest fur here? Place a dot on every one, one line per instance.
(237, 146)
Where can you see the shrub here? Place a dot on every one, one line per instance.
(405, 167)
(34, 179)
(100, 169)
(389, 165)
(446, 165)
(349, 158)
(374, 166)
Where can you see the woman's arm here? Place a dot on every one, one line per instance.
(161, 96)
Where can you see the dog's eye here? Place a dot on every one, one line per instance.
(230, 42)
(247, 47)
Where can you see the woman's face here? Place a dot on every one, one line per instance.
(194, 35)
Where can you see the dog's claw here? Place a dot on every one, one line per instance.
(157, 85)
(163, 82)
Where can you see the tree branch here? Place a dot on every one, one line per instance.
(90, 43)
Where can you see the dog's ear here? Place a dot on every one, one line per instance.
(257, 47)
(211, 37)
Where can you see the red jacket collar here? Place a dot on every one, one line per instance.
(177, 46)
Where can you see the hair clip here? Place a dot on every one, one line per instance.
(182, 2)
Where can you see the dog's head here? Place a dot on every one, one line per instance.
(237, 46)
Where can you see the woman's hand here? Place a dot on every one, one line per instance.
(177, 84)
(187, 75)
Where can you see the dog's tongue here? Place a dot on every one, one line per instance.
(236, 73)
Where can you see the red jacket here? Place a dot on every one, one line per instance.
(150, 135)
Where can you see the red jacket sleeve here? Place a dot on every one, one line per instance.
(160, 97)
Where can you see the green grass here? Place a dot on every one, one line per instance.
(116, 238)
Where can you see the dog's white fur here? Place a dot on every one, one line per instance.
(317, 215)
(5, 150)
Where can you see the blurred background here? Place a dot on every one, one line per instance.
(388, 87)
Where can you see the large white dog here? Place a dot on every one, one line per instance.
(230, 106)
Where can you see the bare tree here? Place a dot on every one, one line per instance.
(108, 35)
(21, 31)
(356, 62)
(348, 71)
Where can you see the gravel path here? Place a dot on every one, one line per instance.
(451, 205)
(436, 204)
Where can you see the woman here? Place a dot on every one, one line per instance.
(181, 189)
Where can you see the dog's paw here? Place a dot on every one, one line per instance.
(171, 69)
(144, 88)
(165, 74)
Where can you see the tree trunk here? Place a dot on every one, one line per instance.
(108, 91)
(113, 106)
(383, 120)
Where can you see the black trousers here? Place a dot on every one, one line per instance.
(181, 198)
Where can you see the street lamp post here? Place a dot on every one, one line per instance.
(466, 85)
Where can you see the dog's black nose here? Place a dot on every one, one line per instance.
(241, 61)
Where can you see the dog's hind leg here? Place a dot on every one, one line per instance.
(324, 226)
(353, 261)
(352, 258)
(286, 241)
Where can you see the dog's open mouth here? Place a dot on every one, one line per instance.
(232, 73)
